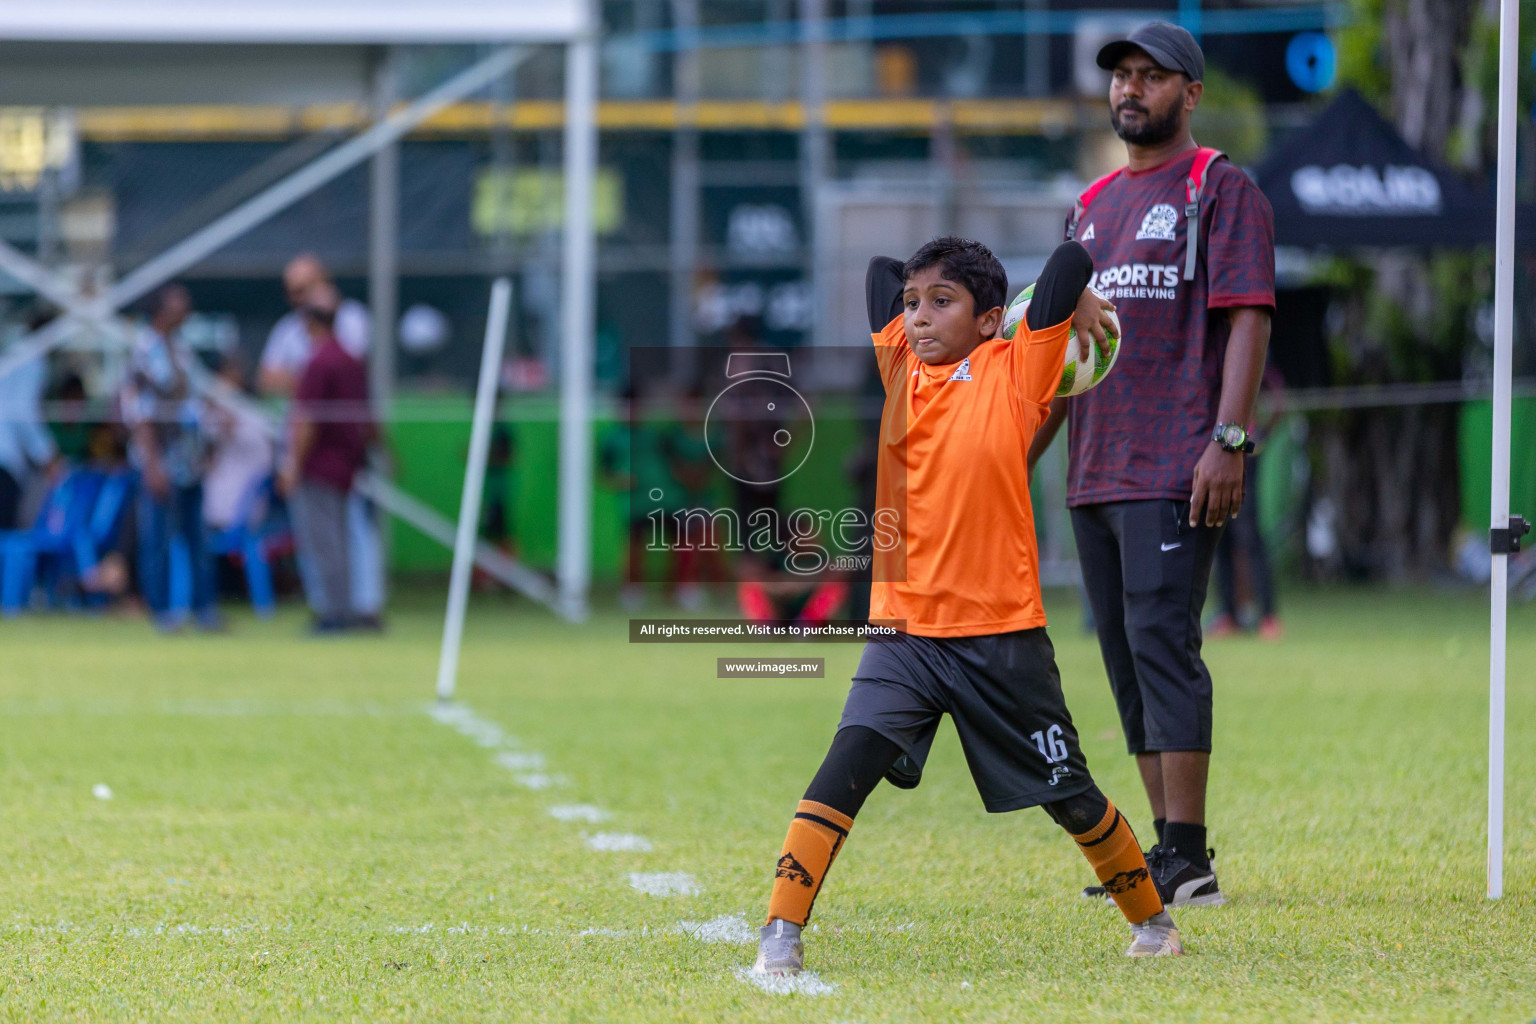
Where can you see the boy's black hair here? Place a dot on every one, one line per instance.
(967, 263)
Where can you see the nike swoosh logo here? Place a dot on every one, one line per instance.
(1170, 547)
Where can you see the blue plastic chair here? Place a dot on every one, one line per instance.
(250, 537)
(66, 513)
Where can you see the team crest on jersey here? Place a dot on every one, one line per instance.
(1158, 223)
(1087, 233)
(963, 371)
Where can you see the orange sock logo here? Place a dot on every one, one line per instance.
(1125, 881)
(794, 871)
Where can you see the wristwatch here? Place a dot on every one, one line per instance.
(1232, 437)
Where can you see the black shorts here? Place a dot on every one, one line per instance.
(1004, 694)
(1146, 571)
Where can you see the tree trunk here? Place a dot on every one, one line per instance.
(1398, 473)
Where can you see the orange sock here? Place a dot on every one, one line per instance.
(815, 836)
(1111, 848)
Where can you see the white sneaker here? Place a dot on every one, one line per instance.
(1156, 936)
(780, 951)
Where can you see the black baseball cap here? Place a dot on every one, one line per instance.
(1168, 44)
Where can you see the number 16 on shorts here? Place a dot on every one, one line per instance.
(1051, 746)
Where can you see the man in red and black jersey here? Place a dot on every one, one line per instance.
(1183, 244)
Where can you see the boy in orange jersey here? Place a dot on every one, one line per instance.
(961, 407)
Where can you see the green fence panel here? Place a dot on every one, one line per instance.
(1475, 447)
(430, 448)
(431, 444)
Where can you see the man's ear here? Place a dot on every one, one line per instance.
(1192, 94)
(990, 322)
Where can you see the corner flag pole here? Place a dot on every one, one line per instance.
(1503, 539)
(474, 483)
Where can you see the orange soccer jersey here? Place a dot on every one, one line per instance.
(953, 465)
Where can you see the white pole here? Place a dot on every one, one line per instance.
(1503, 343)
(578, 272)
(383, 245)
(474, 481)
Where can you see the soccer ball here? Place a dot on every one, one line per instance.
(1077, 375)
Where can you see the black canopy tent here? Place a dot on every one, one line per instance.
(1350, 180)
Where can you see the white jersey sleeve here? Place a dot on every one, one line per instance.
(353, 328)
(287, 346)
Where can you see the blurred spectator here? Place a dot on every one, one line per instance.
(290, 344)
(242, 453)
(26, 446)
(288, 351)
(330, 433)
(169, 450)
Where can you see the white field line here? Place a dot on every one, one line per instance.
(520, 761)
(527, 767)
(727, 928)
(181, 929)
(732, 928)
(539, 780)
(188, 929)
(232, 708)
(618, 842)
(463, 720)
(664, 883)
(466, 928)
(805, 984)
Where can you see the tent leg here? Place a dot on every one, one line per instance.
(1503, 339)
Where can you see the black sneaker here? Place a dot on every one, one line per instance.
(1099, 892)
(1183, 883)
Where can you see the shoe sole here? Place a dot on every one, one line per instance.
(1172, 945)
(1164, 950)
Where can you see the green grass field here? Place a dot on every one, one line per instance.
(291, 835)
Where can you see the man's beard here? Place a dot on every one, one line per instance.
(1153, 130)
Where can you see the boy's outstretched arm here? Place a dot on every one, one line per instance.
(1059, 286)
(1062, 291)
(883, 285)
